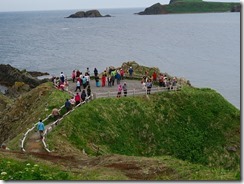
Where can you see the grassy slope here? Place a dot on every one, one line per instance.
(193, 124)
(197, 6)
(38, 103)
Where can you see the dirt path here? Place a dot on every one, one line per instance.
(134, 168)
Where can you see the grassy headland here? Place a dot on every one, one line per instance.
(191, 6)
(196, 125)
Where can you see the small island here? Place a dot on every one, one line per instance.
(191, 6)
(87, 14)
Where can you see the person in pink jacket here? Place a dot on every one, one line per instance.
(119, 90)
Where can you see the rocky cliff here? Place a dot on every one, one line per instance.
(154, 10)
(10, 75)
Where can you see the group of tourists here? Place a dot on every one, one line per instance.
(61, 82)
(162, 79)
(109, 76)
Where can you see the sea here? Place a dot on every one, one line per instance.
(202, 47)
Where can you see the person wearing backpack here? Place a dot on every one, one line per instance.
(40, 128)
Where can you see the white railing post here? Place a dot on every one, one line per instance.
(133, 92)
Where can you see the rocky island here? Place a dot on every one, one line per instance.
(190, 6)
(87, 14)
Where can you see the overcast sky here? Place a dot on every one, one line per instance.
(29, 5)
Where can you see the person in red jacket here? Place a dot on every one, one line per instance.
(103, 80)
(154, 75)
(77, 99)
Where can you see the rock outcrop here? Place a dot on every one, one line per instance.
(10, 75)
(90, 13)
(236, 8)
(154, 10)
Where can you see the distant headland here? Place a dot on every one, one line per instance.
(87, 14)
(191, 6)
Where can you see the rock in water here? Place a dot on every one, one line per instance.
(90, 13)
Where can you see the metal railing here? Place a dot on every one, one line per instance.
(135, 92)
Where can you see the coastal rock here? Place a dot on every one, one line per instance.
(236, 8)
(90, 13)
(154, 10)
(37, 74)
(9, 75)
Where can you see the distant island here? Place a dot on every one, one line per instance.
(87, 14)
(191, 6)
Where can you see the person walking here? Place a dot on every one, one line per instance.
(119, 90)
(40, 128)
(88, 90)
(149, 86)
(77, 85)
(103, 80)
(83, 95)
(73, 75)
(67, 105)
(125, 89)
(62, 77)
(131, 71)
(77, 99)
(154, 76)
(122, 73)
(97, 81)
(95, 72)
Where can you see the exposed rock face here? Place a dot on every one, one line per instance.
(10, 75)
(90, 13)
(154, 10)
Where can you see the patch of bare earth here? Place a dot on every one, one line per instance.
(134, 168)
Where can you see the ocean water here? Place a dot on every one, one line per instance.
(204, 48)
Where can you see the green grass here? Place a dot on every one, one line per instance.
(171, 169)
(195, 125)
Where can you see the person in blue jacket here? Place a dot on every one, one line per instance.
(40, 128)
